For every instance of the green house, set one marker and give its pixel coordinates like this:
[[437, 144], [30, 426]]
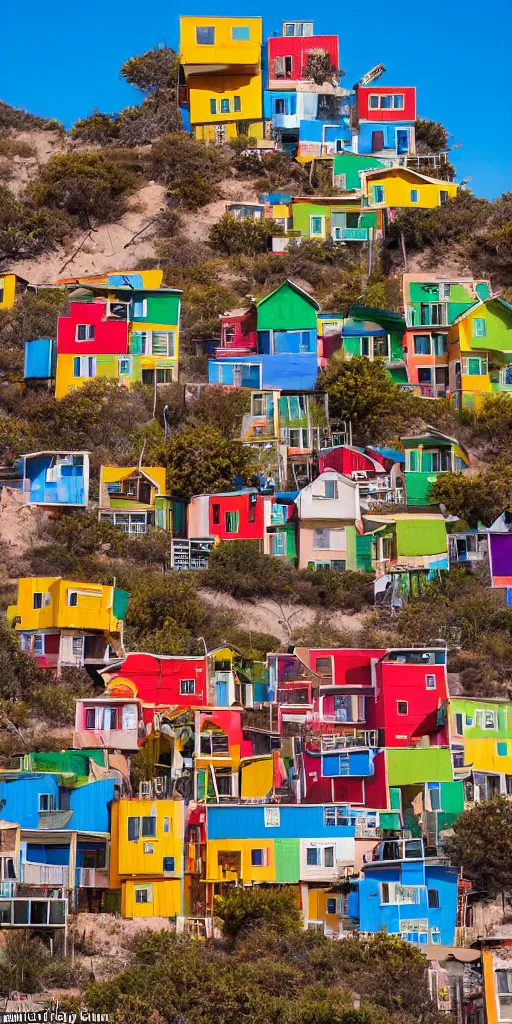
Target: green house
[[335, 219], [433, 302], [426, 456], [346, 167]]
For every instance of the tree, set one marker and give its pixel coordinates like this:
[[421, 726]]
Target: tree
[[482, 843], [99, 128], [320, 68], [200, 460], [176, 155], [431, 136], [241, 909], [239, 568], [222, 408], [479, 498], [151, 71], [362, 391]]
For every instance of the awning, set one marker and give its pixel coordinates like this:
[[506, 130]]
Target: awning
[[464, 956]]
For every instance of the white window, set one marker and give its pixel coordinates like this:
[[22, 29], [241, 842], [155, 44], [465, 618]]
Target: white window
[[486, 719], [331, 488], [444, 291], [77, 644], [187, 686], [84, 366], [430, 682], [140, 309], [84, 332], [395, 893], [143, 893], [47, 801], [163, 343], [272, 817], [149, 847], [504, 990]]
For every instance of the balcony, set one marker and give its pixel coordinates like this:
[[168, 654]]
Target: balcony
[[343, 741], [33, 873], [112, 739]]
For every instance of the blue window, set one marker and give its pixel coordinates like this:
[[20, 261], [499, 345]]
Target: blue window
[[378, 193], [312, 856], [205, 35], [224, 106], [398, 101], [168, 865], [421, 345], [213, 106], [330, 905], [258, 858], [502, 749], [415, 196], [373, 102], [240, 32], [237, 104], [479, 327]]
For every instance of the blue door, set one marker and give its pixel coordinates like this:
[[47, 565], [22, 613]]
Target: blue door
[[221, 695], [402, 140]]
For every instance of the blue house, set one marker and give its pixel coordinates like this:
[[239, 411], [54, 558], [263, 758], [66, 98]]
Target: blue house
[[40, 359], [408, 895], [392, 138], [56, 478], [37, 801], [286, 355]]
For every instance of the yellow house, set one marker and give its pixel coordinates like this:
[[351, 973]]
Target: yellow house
[[393, 187], [61, 622], [49, 601], [10, 286], [221, 87], [147, 843], [240, 860]]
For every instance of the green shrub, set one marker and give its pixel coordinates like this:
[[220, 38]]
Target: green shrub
[[248, 237], [178, 156], [238, 568], [86, 185]]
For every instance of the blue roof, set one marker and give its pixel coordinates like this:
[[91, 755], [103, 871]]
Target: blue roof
[[286, 496], [358, 328], [389, 453]]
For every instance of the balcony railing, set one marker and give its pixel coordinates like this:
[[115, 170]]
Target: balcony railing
[[351, 235], [33, 873]]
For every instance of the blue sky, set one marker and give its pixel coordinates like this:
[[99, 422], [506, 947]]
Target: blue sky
[[60, 60]]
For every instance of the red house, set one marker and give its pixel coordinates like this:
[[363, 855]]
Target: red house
[[410, 690], [160, 680], [89, 329], [386, 103], [348, 460], [238, 333], [233, 515], [288, 57]]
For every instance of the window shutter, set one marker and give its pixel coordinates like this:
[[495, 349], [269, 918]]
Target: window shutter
[[279, 67]]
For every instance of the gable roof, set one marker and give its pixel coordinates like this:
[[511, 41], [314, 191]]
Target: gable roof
[[296, 288], [482, 302], [400, 171]]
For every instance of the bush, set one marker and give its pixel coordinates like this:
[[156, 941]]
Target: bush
[[177, 156], [102, 129], [241, 909], [238, 568], [87, 185], [455, 222], [248, 237], [363, 392], [192, 192], [200, 461]]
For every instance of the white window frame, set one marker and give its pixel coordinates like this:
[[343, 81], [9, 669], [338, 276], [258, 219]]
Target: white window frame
[[89, 335], [147, 889], [402, 713], [398, 894], [185, 686], [481, 718], [264, 856], [430, 682], [124, 359], [144, 304], [50, 797]]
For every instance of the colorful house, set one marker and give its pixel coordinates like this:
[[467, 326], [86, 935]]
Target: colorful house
[[147, 861], [499, 537], [239, 335], [407, 543], [426, 456], [119, 329], [220, 82], [287, 345], [415, 898], [57, 479], [497, 975], [431, 305], [377, 481], [11, 285], [40, 359], [347, 167], [232, 515], [383, 120], [481, 742], [335, 219], [400, 187], [295, 425], [134, 499], [480, 352], [328, 510], [66, 623]]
